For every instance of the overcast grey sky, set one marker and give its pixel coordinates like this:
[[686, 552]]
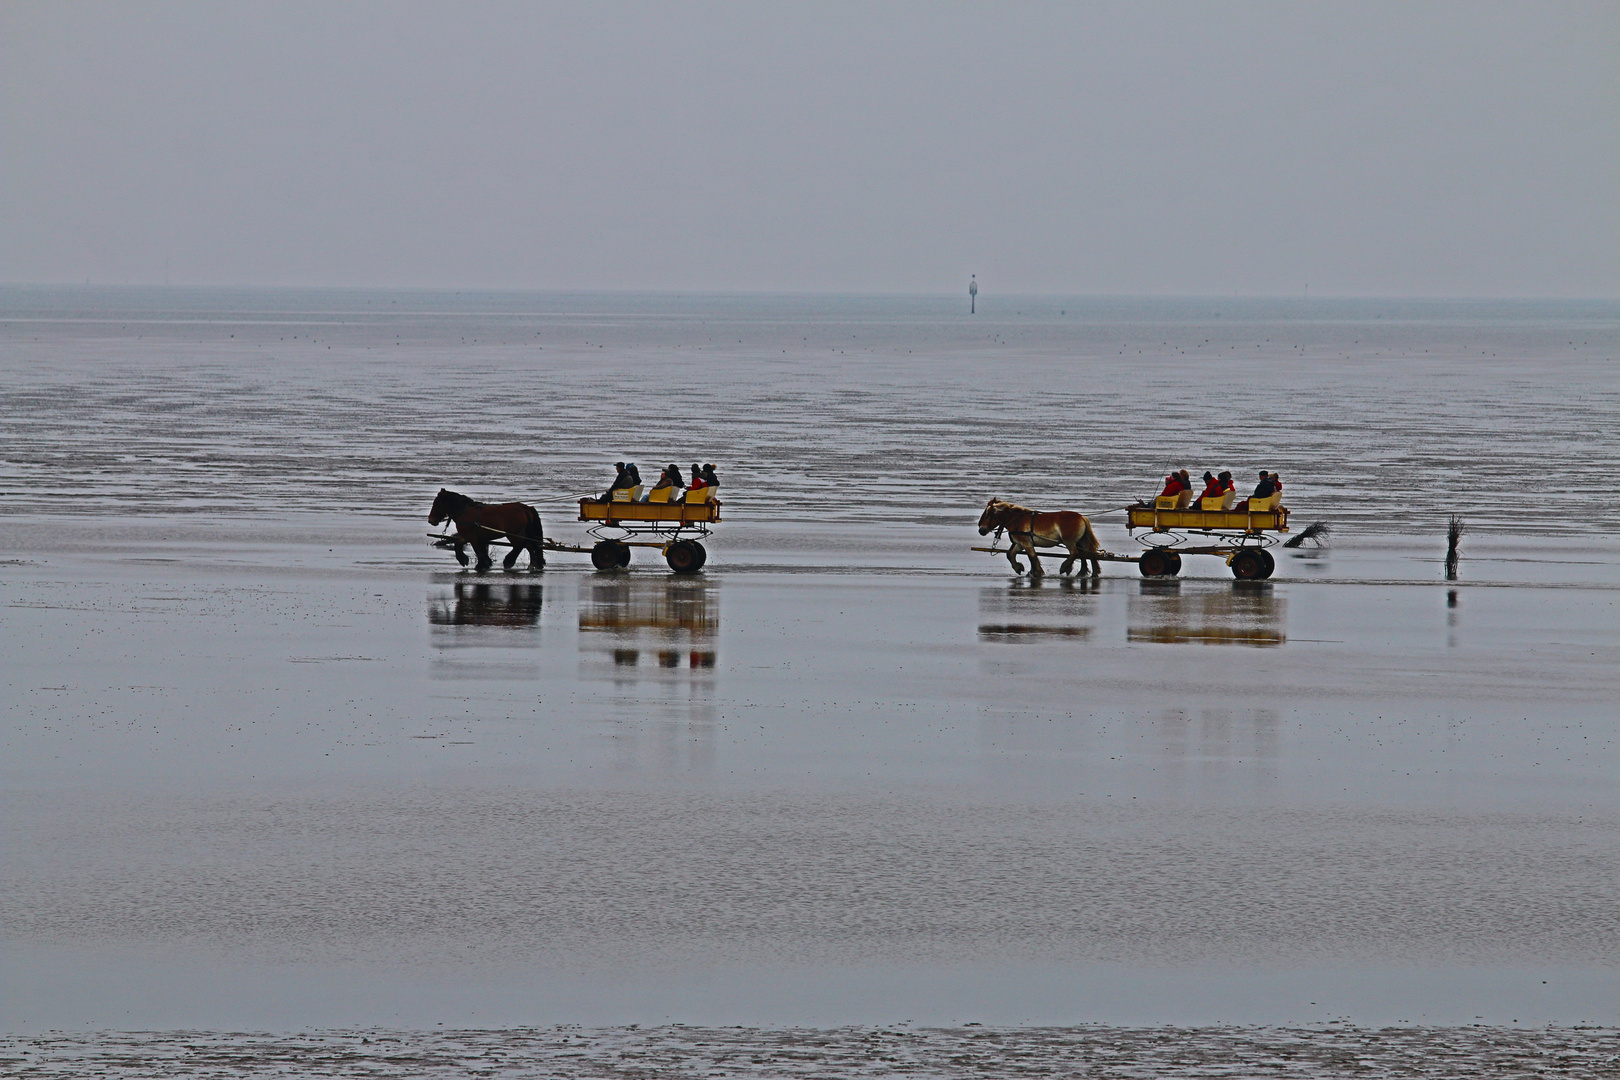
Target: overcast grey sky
[[1363, 148]]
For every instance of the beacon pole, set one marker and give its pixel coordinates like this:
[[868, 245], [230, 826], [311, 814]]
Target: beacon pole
[[973, 293]]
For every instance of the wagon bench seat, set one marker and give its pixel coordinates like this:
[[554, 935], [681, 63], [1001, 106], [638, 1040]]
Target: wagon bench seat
[[1148, 517], [685, 513]]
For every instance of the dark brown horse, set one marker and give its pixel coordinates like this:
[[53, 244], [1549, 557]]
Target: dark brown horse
[[1027, 529], [478, 523]]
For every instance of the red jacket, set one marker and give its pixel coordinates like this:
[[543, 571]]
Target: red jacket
[[1173, 485]]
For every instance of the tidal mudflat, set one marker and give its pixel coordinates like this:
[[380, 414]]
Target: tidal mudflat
[[271, 764]]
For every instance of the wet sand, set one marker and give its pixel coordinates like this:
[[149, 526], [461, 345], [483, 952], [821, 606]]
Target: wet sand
[[302, 784], [846, 1052]]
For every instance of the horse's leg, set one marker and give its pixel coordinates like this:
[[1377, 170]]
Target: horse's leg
[[461, 552], [1012, 557], [481, 549], [512, 556], [1068, 564], [1035, 568]]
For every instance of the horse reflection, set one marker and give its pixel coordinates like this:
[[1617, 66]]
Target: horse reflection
[[485, 604]]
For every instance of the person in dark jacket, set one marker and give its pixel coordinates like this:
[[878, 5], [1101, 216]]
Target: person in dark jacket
[[708, 476], [626, 477], [1265, 488]]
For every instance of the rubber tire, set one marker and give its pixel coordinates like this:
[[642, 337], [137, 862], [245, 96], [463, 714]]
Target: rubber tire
[[1172, 563], [609, 555], [1247, 565], [1268, 564], [702, 554], [683, 556], [1155, 562]]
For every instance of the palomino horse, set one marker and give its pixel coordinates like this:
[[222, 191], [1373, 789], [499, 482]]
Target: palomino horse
[[478, 523], [1028, 528]]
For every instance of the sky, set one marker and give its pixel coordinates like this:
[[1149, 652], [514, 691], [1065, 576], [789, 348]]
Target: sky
[[1359, 149]]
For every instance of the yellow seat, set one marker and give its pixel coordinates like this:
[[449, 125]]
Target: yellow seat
[[1166, 502], [1264, 504], [698, 496], [661, 494], [630, 494]]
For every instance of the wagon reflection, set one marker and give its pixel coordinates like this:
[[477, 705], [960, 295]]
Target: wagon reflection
[[661, 624], [1181, 613], [653, 641]]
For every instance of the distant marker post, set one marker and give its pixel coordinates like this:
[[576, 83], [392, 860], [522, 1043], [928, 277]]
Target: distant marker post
[[973, 293]]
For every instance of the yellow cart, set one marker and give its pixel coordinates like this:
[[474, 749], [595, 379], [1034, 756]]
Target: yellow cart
[[676, 528], [1240, 535]]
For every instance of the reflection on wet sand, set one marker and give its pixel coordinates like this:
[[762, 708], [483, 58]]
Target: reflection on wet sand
[[671, 623], [1217, 746], [1182, 613], [654, 641], [472, 616], [1033, 611], [481, 603]]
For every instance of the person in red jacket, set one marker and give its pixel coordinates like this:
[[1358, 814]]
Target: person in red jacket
[[1212, 490], [1176, 483]]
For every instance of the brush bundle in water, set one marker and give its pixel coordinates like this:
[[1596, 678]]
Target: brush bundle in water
[[1454, 533], [1316, 532]]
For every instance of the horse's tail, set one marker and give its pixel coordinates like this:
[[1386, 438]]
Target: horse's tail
[[1088, 538], [534, 535]]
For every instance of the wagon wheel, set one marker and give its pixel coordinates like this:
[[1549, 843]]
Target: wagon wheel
[[1155, 562], [1267, 563], [1172, 563], [609, 555], [686, 556], [1247, 565]]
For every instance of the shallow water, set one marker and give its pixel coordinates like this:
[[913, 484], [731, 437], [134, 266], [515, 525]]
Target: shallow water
[[271, 762]]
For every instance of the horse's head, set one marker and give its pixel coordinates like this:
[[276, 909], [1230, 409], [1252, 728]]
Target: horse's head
[[444, 504], [991, 518]]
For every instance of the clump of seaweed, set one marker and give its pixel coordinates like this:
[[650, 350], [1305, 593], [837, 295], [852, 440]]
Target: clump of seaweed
[[1316, 532], [1454, 533]]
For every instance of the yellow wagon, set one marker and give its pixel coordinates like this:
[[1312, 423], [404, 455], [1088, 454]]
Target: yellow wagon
[[676, 527], [1240, 533]]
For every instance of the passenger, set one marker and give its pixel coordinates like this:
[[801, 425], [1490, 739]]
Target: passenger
[[626, 478], [669, 486], [708, 476], [1264, 489], [1212, 490], [698, 484], [1176, 483]]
